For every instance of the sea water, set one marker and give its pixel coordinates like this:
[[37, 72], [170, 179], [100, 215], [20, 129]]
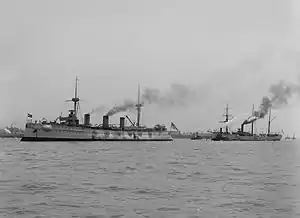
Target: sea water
[[183, 178]]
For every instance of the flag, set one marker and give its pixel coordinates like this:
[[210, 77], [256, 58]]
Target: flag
[[29, 115], [173, 126]]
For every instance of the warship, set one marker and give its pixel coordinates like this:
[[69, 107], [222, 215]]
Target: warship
[[241, 135], [70, 129]]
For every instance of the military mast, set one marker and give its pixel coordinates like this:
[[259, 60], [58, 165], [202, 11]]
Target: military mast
[[73, 113], [75, 99], [252, 124], [226, 117], [269, 122], [138, 107]]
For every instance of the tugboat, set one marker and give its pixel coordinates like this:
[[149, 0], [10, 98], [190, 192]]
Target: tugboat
[[69, 129]]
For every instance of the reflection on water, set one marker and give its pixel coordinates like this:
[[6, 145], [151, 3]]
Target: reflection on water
[[184, 178]]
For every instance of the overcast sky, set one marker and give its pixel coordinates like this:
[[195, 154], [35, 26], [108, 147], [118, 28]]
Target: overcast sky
[[228, 51]]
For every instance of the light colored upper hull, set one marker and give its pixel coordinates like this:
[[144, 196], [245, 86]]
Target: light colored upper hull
[[39, 132]]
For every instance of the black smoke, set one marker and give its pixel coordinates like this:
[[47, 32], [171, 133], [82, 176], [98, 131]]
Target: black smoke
[[99, 109], [280, 93], [178, 95], [127, 105]]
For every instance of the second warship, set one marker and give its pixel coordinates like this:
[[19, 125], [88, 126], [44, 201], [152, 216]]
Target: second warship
[[241, 135]]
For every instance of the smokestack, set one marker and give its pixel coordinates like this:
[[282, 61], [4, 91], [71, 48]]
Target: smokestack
[[87, 119], [242, 128], [105, 123], [221, 130], [252, 124], [122, 122], [269, 122]]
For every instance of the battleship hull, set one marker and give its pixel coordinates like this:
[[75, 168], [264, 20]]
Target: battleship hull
[[234, 137], [260, 138], [69, 129], [56, 132]]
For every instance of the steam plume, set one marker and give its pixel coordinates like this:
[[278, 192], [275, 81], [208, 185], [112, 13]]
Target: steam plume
[[280, 94], [177, 95], [128, 104], [250, 119], [98, 109]]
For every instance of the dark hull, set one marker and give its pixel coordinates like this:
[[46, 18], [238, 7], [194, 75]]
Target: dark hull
[[246, 138], [222, 139], [254, 140]]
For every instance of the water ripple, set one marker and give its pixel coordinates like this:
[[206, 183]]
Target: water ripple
[[121, 179]]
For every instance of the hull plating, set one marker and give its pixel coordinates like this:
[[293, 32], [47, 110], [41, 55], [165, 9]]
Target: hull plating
[[38, 132], [233, 137]]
